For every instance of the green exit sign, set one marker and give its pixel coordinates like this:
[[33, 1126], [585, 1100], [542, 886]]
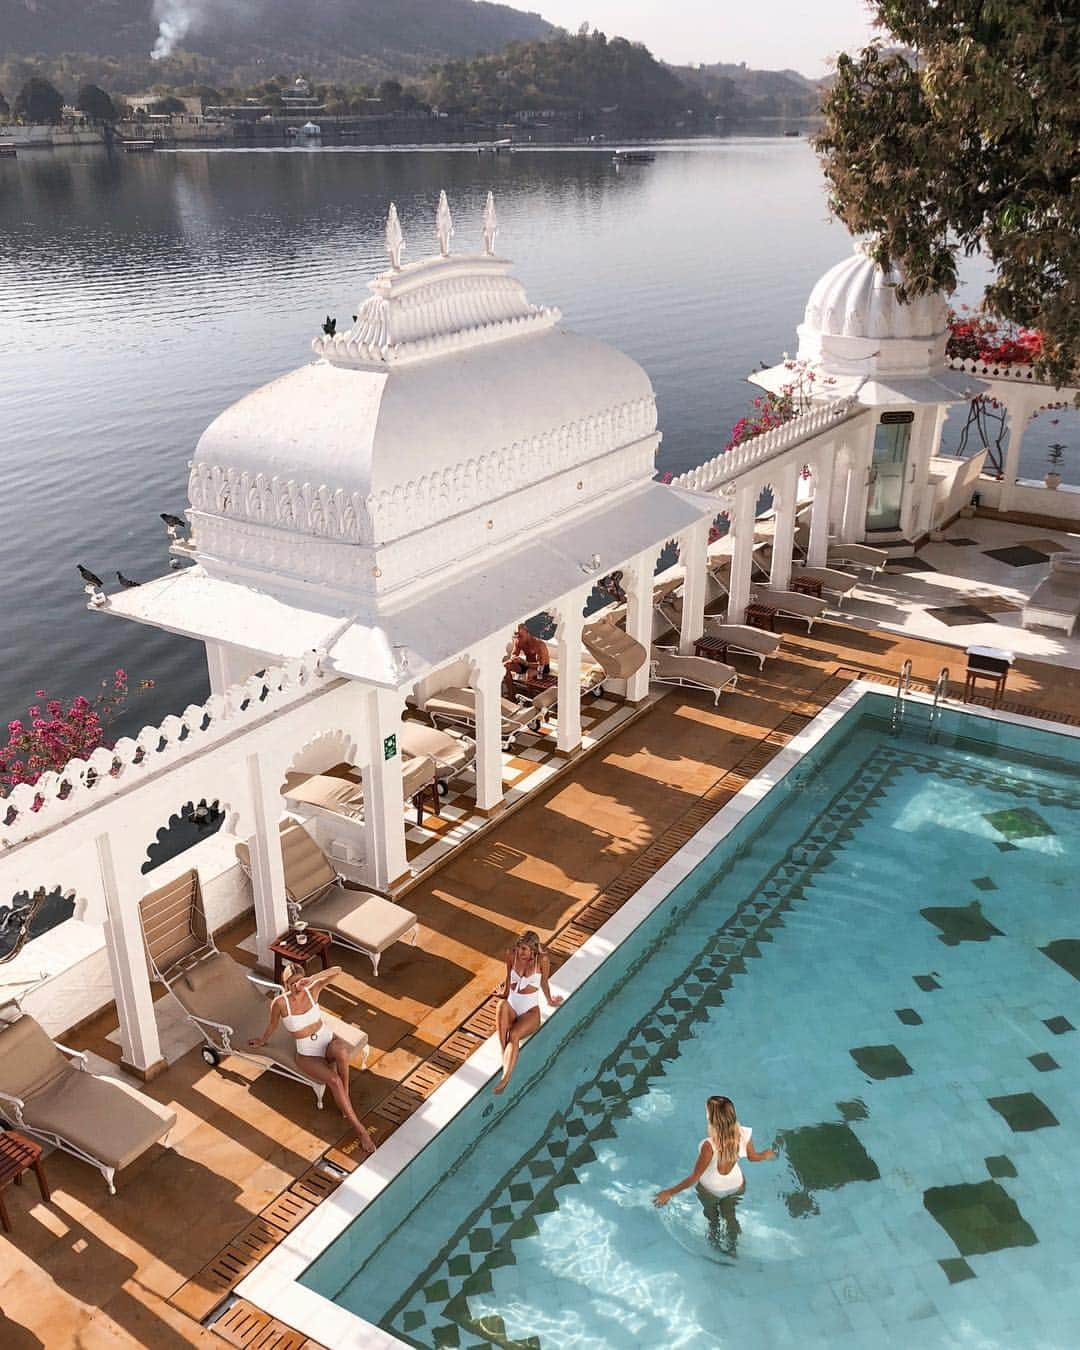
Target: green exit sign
[[389, 747]]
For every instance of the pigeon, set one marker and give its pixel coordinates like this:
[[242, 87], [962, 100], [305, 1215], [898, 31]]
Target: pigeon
[[126, 581], [173, 522], [89, 577]]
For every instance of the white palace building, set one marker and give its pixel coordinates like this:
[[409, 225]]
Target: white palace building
[[365, 533]]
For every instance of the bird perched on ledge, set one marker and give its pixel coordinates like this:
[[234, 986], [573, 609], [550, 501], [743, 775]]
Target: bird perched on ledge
[[94, 586], [126, 582], [174, 524]]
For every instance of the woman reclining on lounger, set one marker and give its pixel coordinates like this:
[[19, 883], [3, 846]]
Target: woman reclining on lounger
[[319, 1053]]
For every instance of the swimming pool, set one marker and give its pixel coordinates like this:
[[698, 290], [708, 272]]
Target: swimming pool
[[879, 965]]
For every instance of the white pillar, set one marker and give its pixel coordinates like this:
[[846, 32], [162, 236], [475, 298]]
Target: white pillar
[[1020, 408], [639, 618], [217, 667], [785, 492], [817, 549], [385, 862], [124, 885], [487, 680], [267, 866], [742, 553], [568, 644], [693, 554]]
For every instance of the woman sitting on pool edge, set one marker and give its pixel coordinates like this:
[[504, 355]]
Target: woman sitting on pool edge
[[527, 970], [717, 1172]]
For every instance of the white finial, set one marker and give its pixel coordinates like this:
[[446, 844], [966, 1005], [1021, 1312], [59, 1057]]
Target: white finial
[[395, 240], [491, 225], [444, 225]]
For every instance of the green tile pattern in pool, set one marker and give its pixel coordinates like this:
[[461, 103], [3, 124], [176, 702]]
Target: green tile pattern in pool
[[873, 1226]]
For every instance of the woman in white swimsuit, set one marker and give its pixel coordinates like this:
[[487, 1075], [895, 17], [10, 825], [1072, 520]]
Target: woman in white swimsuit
[[319, 1053], [527, 971], [717, 1172]]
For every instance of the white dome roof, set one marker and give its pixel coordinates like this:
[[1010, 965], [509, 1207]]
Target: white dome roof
[[451, 420], [856, 299]]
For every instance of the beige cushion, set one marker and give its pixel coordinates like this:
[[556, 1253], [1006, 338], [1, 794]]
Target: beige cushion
[[619, 654], [366, 920], [1066, 562], [307, 871], [697, 669], [744, 636], [29, 1062], [112, 1123]]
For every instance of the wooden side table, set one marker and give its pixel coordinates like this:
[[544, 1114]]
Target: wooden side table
[[712, 648], [806, 586], [761, 616], [287, 948], [17, 1155]]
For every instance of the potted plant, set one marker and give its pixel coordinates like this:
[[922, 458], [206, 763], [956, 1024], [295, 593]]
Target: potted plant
[[1056, 455]]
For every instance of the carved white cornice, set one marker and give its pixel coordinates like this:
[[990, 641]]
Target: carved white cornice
[[355, 518], [437, 307]]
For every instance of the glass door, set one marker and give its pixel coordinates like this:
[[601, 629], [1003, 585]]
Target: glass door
[[887, 471]]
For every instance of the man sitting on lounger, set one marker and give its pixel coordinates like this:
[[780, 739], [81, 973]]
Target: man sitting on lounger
[[529, 658]]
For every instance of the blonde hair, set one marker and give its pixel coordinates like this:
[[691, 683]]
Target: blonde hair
[[723, 1132], [290, 973]]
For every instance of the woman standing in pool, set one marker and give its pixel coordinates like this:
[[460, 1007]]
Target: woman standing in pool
[[717, 1172], [527, 971]]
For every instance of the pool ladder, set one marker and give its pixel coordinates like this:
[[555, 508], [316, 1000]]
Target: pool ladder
[[903, 688], [902, 683], [941, 689]]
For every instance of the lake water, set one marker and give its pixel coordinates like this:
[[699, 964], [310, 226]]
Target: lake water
[[140, 295]]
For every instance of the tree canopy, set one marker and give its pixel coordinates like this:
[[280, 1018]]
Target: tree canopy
[[39, 101], [968, 141], [93, 101]]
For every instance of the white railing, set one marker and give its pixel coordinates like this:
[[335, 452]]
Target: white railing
[[31, 809], [731, 463], [1018, 374]]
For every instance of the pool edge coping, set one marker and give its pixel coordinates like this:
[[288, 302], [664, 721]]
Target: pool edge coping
[[273, 1286]]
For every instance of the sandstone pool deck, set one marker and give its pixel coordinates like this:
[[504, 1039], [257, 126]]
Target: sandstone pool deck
[[143, 1267]]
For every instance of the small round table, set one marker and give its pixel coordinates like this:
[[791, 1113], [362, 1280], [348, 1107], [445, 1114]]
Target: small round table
[[712, 648], [288, 948], [17, 1155]]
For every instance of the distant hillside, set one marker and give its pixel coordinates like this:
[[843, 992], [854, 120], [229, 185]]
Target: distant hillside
[[738, 91], [238, 38]]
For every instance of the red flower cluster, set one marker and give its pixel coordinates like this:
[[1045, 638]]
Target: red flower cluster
[[52, 734], [974, 337]]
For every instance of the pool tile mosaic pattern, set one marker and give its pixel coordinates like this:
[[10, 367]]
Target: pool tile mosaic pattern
[[916, 1156]]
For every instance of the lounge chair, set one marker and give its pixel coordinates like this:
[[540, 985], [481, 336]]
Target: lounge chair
[[790, 604], [451, 752], [457, 707], [96, 1118], [740, 637], [838, 554], [340, 794], [618, 654], [1055, 602], [218, 995], [693, 672], [837, 583], [365, 921]]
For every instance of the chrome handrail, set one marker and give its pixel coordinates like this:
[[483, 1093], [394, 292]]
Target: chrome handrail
[[902, 683], [941, 688]]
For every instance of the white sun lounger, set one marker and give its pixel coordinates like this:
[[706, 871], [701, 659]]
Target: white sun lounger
[[457, 707], [693, 672], [1055, 602], [790, 604], [837, 583], [740, 637], [219, 995], [94, 1117], [451, 752]]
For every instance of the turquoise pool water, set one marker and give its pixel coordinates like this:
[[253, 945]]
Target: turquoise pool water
[[880, 967]]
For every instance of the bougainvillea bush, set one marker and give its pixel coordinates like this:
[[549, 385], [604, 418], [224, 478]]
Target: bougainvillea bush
[[54, 731], [980, 337]]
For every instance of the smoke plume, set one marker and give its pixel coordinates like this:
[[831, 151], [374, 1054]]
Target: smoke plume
[[175, 20]]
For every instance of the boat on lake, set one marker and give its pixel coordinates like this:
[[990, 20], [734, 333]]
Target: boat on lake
[[634, 156]]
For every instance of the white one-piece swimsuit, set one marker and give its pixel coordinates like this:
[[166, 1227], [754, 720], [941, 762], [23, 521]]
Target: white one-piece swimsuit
[[318, 1041], [522, 995], [724, 1183]]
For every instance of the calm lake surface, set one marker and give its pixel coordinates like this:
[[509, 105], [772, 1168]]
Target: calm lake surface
[[142, 294]]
